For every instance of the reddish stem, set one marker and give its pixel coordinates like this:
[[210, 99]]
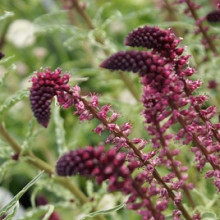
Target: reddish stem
[[201, 28], [137, 152], [174, 167]]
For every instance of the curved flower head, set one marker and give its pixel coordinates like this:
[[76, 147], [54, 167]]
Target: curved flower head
[[45, 86], [162, 41], [95, 162], [135, 61]]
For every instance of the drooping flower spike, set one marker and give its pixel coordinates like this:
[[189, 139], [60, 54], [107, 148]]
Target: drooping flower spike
[[213, 17], [45, 86], [154, 38]]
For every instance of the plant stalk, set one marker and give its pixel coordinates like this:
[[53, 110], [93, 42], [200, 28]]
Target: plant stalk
[[42, 165]]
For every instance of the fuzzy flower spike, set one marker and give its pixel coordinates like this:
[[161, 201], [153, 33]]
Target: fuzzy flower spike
[[45, 86]]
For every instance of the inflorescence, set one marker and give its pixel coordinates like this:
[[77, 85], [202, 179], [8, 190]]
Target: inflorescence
[[168, 99]]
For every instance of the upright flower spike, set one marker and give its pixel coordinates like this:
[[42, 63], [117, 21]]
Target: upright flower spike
[[45, 86], [154, 38]]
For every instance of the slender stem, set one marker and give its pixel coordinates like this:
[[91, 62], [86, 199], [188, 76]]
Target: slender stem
[[138, 153], [127, 81], [150, 205], [83, 14], [195, 138], [201, 28], [173, 17], [198, 110], [42, 165], [130, 85], [174, 167]]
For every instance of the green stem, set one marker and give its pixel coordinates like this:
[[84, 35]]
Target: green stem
[[42, 165], [127, 81]]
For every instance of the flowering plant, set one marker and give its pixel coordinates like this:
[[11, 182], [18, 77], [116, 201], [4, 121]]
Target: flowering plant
[[159, 162]]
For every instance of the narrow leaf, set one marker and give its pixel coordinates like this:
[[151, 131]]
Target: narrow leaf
[[60, 131], [6, 15], [103, 212], [20, 95], [19, 195]]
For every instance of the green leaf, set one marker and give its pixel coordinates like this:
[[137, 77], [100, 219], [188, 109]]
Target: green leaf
[[14, 201], [54, 22], [103, 212], [10, 69], [59, 130], [5, 167], [6, 15], [20, 95], [12, 214], [5, 60], [30, 136], [38, 212], [209, 216]]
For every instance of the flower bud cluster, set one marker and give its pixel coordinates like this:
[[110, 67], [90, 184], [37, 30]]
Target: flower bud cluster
[[213, 17], [145, 184], [45, 86], [153, 38]]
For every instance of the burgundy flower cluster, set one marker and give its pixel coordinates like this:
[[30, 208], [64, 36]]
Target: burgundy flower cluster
[[156, 39], [146, 184], [168, 100], [213, 17], [111, 166], [45, 86]]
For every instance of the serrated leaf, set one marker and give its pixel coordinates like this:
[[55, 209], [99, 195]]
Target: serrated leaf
[[59, 130], [89, 188], [5, 167], [3, 78], [115, 16], [98, 20], [20, 194], [209, 216], [6, 15], [74, 40], [20, 95], [30, 136], [104, 212], [5, 60], [53, 22], [5, 152]]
